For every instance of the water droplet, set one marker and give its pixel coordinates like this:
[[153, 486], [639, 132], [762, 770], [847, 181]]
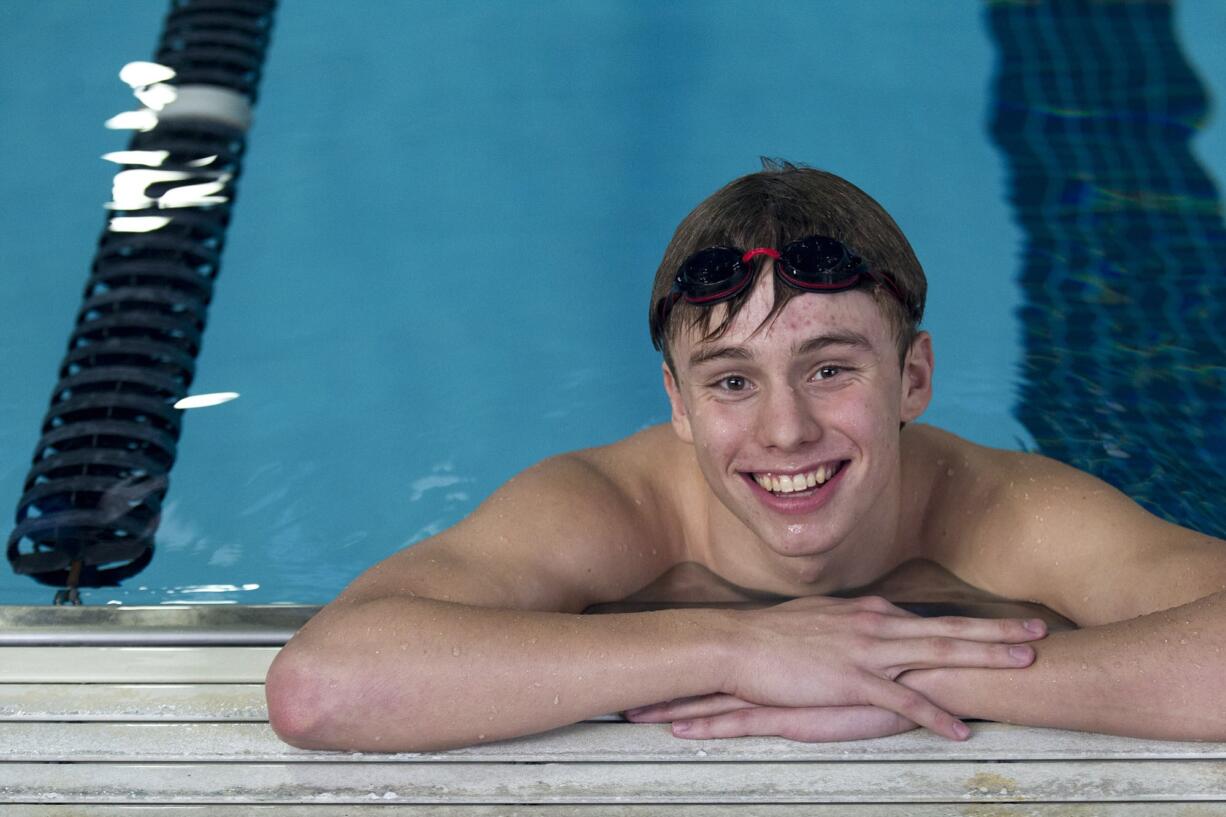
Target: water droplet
[[556, 699], [455, 650]]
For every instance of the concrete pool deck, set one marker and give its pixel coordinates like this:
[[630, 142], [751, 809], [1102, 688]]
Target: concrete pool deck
[[182, 730]]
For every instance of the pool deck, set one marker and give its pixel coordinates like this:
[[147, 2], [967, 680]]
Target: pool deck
[[182, 730]]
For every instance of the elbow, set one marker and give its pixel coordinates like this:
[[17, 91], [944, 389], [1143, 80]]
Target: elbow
[[297, 706]]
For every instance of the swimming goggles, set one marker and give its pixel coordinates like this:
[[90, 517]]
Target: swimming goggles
[[817, 263]]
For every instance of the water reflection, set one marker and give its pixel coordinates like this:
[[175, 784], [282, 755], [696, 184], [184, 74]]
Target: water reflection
[[148, 158], [1125, 253], [143, 120], [139, 73], [137, 224]]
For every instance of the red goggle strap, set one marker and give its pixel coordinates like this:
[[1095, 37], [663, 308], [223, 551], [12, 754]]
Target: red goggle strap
[[756, 251]]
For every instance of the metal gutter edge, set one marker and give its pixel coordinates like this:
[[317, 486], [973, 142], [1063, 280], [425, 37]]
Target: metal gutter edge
[[178, 625]]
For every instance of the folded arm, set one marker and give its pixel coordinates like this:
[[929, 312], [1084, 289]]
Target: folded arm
[[1156, 676], [1150, 597], [475, 634], [402, 674]]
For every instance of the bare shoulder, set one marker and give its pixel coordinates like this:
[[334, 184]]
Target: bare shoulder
[[1028, 527], [577, 529]]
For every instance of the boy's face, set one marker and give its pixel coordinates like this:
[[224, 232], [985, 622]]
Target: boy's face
[[812, 402]]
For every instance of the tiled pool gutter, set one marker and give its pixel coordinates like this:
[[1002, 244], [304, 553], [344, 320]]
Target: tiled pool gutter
[[160, 711]]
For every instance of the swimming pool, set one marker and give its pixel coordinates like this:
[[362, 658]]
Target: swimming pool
[[450, 213]]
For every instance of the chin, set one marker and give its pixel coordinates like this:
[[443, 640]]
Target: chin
[[807, 567], [801, 546]]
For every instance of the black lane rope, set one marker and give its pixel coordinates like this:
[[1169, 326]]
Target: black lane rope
[[93, 496]]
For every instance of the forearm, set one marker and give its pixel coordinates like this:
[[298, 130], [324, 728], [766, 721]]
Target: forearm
[[1156, 676], [413, 674]]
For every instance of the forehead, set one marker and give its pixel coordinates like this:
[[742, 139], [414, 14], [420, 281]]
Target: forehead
[[806, 316]]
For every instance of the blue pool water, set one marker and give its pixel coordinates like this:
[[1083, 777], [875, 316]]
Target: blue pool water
[[450, 214]]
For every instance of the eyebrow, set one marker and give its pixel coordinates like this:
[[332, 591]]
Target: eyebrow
[[846, 338]]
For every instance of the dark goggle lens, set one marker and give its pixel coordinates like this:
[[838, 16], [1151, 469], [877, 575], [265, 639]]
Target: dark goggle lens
[[710, 272], [822, 260]]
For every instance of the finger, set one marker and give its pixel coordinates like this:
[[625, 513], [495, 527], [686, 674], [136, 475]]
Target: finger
[[1003, 630], [927, 653], [810, 724], [880, 604], [696, 707], [762, 720], [916, 708]]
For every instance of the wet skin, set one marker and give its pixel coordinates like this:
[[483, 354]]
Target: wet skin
[[819, 384]]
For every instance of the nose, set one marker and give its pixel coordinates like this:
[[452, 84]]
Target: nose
[[785, 422]]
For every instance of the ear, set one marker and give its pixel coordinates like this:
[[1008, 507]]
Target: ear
[[917, 378], [681, 418]]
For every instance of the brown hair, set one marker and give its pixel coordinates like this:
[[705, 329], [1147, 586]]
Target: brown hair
[[781, 203]]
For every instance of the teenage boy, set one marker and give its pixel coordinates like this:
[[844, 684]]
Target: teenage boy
[[789, 494]]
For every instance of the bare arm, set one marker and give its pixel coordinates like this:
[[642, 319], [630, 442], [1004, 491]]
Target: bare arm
[[420, 674], [1155, 676], [437, 675], [475, 634], [1150, 596]]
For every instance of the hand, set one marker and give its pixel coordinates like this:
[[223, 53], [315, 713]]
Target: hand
[[826, 652], [726, 716]]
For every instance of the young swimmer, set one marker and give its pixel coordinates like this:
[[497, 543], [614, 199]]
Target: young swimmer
[[789, 502]]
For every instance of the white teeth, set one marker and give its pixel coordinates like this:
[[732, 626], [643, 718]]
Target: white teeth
[[791, 483]]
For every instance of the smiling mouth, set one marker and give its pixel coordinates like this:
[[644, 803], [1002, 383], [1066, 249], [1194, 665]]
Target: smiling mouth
[[799, 483]]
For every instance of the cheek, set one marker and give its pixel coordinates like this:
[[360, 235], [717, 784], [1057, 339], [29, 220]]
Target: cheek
[[718, 432], [868, 417]]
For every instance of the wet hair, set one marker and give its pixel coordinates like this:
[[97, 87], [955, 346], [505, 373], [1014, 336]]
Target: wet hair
[[778, 204]]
